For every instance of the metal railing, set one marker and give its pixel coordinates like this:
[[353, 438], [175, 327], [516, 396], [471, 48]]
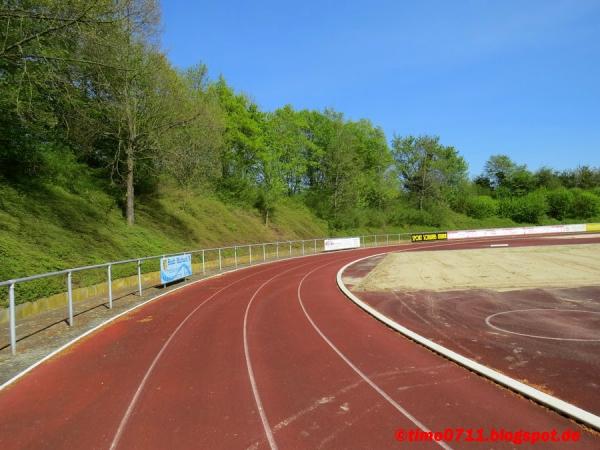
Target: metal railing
[[211, 260]]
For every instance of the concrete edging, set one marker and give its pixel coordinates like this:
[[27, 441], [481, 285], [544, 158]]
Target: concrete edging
[[550, 401]]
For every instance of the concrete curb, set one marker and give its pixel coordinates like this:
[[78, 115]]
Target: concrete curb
[[550, 401]]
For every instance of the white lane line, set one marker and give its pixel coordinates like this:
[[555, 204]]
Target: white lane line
[[488, 321], [134, 400], [380, 391], [498, 245], [259, 405]]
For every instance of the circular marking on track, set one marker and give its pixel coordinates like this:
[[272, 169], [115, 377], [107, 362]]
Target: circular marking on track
[[572, 325]]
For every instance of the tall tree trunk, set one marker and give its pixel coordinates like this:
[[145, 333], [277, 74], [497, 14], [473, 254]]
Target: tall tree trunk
[[130, 212]]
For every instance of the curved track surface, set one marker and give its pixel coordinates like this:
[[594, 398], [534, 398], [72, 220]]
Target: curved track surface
[[273, 356]]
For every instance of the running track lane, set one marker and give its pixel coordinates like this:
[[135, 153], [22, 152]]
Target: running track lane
[[326, 374]]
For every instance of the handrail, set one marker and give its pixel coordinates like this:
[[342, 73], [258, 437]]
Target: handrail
[[146, 258], [261, 257]]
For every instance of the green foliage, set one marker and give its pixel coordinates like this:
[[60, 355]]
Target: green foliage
[[530, 208], [547, 178], [560, 203], [481, 207], [429, 172], [584, 204], [520, 182], [498, 169]]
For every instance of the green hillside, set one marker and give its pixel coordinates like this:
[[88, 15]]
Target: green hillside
[[47, 226]]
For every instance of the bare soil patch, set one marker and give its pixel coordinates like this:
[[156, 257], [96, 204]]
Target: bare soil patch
[[499, 269]]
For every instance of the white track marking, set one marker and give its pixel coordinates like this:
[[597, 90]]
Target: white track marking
[[133, 402], [498, 245], [380, 391], [488, 321], [259, 405]]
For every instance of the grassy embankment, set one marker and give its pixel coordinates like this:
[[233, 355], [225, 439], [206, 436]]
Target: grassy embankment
[[46, 227], [54, 224]]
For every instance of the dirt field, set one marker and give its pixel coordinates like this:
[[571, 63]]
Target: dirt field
[[499, 269]]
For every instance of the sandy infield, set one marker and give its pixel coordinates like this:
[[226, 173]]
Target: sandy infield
[[500, 269]]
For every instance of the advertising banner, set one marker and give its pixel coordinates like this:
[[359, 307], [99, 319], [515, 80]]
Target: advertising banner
[[592, 227], [426, 237], [341, 244], [175, 268], [520, 231]]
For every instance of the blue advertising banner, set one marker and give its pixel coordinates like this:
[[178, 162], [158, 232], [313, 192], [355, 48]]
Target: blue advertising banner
[[175, 268]]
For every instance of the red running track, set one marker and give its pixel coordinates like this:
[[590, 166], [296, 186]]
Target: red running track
[[272, 356]]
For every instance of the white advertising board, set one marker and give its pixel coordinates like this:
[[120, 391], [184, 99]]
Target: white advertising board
[[341, 243], [520, 231]]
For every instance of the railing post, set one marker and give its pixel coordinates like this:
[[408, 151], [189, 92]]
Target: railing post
[[70, 297], [139, 269], [387, 239], [12, 318], [109, 273], [235, 255], [203, 266], [250, 253], [277, 250], [264, 252], [220, 265], [290, 249], [302, 248], [398, 238], [375, 240]]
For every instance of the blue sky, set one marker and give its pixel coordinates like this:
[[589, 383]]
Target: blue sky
[[488, 77]]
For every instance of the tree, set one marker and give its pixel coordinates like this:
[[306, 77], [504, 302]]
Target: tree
[[498, 169], [192, 154], [376, 181], [520, 182], [46, 50], [286, 136], [428, 171], [334, 171], [547, 178], [145, 107], [243, 139]]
